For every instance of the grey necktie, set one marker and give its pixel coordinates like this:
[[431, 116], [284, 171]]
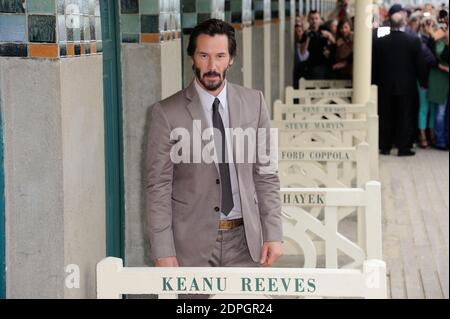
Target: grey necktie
[[227, 194]]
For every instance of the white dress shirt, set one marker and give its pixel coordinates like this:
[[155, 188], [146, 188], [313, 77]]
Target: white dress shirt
[[207, 101]]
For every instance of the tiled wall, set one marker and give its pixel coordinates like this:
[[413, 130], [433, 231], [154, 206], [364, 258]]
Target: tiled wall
[[149, 21], [248, 14], [263, 10], [197, 11], [274, 11], [50, 28], [237, 12], [287, 8], [218, 9]]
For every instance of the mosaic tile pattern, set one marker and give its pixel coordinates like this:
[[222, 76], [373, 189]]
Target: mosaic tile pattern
[[12, 6], [274, 9], [219, 9], [239, 13], [259, 9], [50, 28], [149, 21], [247, 12], [197, 11], [267, 10]]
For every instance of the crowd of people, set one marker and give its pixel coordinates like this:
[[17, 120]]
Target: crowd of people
[[410, 68], [323, 50]]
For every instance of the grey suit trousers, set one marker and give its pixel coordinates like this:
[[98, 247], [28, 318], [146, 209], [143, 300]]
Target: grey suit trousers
[[230, 250]]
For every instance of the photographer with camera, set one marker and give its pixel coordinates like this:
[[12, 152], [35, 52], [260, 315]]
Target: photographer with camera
[[316, 42]]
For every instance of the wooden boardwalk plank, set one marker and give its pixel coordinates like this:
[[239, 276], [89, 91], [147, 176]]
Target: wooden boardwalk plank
[[391, 246], [424, 259], [435, 221], [416, 224], [413, 281]]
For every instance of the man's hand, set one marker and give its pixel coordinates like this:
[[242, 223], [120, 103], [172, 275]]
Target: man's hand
[[329, 36], [443, 68], [304, 46], [166, 262], [271, 251], [340, 65]]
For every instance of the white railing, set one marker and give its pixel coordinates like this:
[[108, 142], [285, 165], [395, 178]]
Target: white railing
[[327, 96], [305, 84], [311, 218], [324, 166], [365, 277], [114, 280], [284, 111], [334, 96], [331, 133]]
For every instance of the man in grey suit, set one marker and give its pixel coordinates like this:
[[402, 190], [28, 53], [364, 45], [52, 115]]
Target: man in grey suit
[[220, 213]]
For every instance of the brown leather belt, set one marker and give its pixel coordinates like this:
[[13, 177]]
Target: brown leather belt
[[230, 224]]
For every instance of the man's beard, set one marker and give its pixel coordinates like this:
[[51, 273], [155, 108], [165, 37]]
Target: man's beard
[[211, 86]]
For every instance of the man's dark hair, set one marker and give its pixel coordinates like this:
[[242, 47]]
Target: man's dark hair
[[313, 12], [212, 27]]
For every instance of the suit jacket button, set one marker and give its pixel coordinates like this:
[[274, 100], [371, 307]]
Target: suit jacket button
[[217, 181], [216, 209]]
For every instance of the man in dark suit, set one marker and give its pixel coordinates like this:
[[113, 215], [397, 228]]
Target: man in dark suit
[[398, 64], [314, 44]]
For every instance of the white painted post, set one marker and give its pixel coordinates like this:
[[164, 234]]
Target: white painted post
[[363, 164], [281, 47], [372, 108], [363, 176], [267, 66], [374, 96], [373, 218], [331, 226], [372, 139], [107, 269], [362, 52], [375, 279], [247, 56]]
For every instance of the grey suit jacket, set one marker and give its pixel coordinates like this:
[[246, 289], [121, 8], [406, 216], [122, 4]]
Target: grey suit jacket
[[182, 199]]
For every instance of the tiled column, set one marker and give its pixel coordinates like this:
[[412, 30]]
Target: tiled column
[[52, 107], [240, 16], [275, 46], [247, 54], [262, 49], [290, 9], [151, 71], [50, 28], [258, 55]]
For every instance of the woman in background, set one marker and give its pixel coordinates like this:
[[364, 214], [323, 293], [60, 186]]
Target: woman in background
[[344, 50], [426, 110], [299, 58], [438, 86]]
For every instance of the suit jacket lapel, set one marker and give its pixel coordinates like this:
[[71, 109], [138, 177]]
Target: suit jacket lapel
[[195, 109], [234, 109]]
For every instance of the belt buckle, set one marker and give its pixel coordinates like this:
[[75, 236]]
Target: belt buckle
[[229, 224], [225, 225]]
